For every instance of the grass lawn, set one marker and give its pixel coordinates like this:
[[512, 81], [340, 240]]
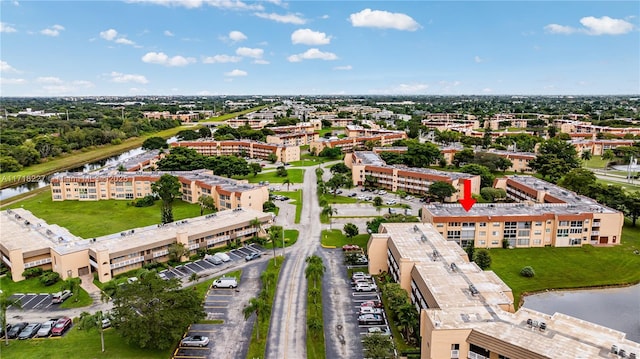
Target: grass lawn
[[628, 187], [33, 285], [296, 199], [304, 163], [595, 162], [233, 114], [315, 338], [290, 238], [79, 344], [562, 268], [335, 238], [98, 218], [295, 175], [331, 199]]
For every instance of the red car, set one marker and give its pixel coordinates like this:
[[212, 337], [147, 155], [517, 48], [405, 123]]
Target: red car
[[61, 326], [371, 304], [350, 247]]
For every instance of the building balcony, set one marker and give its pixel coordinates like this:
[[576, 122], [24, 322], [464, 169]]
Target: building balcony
[[127, 262], [37, 263]]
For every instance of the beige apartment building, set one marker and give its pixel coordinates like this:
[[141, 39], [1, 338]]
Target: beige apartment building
[[308, 127], [466, 312], [182, 117], [27, 241], [368, 165], [597, 147], [105, 185], [251, 149], [354, 143], [547, 215], [582, 127], [293, 138]]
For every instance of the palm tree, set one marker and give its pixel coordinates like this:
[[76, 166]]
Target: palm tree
[[315, 325], [5, 302], [329, 212], [257, 225], [267, 277], [274, 235], [257, 305], [206, 202], [287, 182], [407, 319], [73, 285], [89, 321], [586, 155], [315, 269], [608, 155]]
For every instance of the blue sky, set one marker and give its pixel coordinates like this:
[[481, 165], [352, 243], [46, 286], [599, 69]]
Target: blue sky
[[233, 47]]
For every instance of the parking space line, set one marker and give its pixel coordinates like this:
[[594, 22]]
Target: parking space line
[[218, 301], [27, 302], [45, 298]]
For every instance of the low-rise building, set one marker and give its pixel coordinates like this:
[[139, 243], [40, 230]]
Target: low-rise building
[[293, 138], [105, 185], [582, 127], [547, 215], [245, 148], [368, 166], [27, 241], [182, 117], [597, 147], [351, 144]]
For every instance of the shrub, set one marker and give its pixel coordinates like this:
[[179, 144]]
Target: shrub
[[268, 206], [505, 243], [49, 278], [351, 230], [32, 273], [146, 201], [527, 272], [482, 258]]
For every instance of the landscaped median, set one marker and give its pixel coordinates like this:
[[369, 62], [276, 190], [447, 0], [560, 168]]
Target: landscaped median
[[315, 328], [334, 238]]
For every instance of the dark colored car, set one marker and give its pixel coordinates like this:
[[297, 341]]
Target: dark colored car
[[4, 331], [61, 326], [29, 331], [16, 329]]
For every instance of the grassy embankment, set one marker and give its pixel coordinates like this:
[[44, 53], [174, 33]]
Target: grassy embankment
[[294, 176]]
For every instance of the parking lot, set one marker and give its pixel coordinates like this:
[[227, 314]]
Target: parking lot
[[35, 301]]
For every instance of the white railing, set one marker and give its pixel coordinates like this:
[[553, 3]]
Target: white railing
[[595, 233], [6, 260], [473, 355], [161, 253], [37, 263], [127, 262], [455, 354], [93, 263], [194, 246]]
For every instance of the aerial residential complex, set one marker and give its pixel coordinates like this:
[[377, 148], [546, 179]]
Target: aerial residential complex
[[366, 165], [252, 149], [110, 184], [49, 246], [350, 144], [466, 312], [547, 215]]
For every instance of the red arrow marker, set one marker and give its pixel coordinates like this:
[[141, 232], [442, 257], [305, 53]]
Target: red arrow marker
[[467, 201]]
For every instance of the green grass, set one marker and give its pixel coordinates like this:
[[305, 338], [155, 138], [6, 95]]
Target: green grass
[[258, 345], [211, 321], [233, 114], [82, 300], [33, 285], [97, 218], [331, 199], [290, 238], [595, 162], [304, 163], [315, 340], [322, 132], [564, 268], [295, 175], [336, 238], [628, 187], [296, 199], [79, 344]]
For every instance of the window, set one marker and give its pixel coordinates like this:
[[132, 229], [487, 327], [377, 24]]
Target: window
[[483, 233], [538, 224], [563, 232], [496, 224], [537, 233], [563, 223], [523, 241], [482, 224], [454, 224], [482, 243], [453, 235]]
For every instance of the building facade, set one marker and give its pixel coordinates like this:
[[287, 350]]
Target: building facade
[[351, 144], [251, 149]]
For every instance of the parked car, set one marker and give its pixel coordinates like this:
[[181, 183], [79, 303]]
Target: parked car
[[29, 331], [45, 329], [360, 275], [213, 259], [368, 319], [61, 296], [372, 303], [360, 280], [61, 326], [370, 310], [352, 194], [378, 330], [16, 329], [195, 341], [391, 202], [365, 287], [225, 282], [106, 323], [351, 247], [223, 257], [3, 331], [253, 256], [360, 260]]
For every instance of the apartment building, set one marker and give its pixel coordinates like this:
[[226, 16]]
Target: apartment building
[[245, 148], [369, 166], [182, 117], [145, 160], [308, 127], [293, 138], [597, 147], [373, 130], [547, 215], [254, 123], [520, 160], [466, 312], [27, 241], [351, 144], [582, 127], [462, 126], [105, 185]]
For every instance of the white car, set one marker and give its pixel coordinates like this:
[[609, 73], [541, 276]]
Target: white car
[[45, 329], [195, 341], [223, 257], [225, 282], [391, 202], [378, 330], [365, 287], [370, 310], [360, 275]]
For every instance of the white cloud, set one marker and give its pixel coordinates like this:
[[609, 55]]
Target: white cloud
[[487, 90], [5, 67], [168, 33], [192, 4], [255, 53], [324, 17], [124, 41], [309, 37], [594, 26], [125, 78], [49, 80], [4, 27], [403, 89], [478, 59], [261, 62], [312, 54], [161, 58], [5, 81], [221, 59], [236, 73], [82, 83], [52, 31], [109, 35], [287, 19], [384, 20], [237, 36], [343, 68], [605, 26]]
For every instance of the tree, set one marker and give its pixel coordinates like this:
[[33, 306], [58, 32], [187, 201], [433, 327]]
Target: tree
[[463, 157], [335, 182], [187, 135], [329, 212], [491, 194], [73, 285], [281, 171], [377, 201], [486, 177], [632, 206], [377, 346], [177, 251], [272, 157], [339, 167], [315, 269], [259, 306], [441, 190], [407, 319], [267, 277], [255, 168], [555, 158], [154, 143], [350, 230], [608, 155], [332, 153], [287, 181], [482, 258], [275, 233], [206, 202], [585, 155], [168, 189], [579, 180], [204, 132], [5, 302], [89, 321], [153, 312]]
